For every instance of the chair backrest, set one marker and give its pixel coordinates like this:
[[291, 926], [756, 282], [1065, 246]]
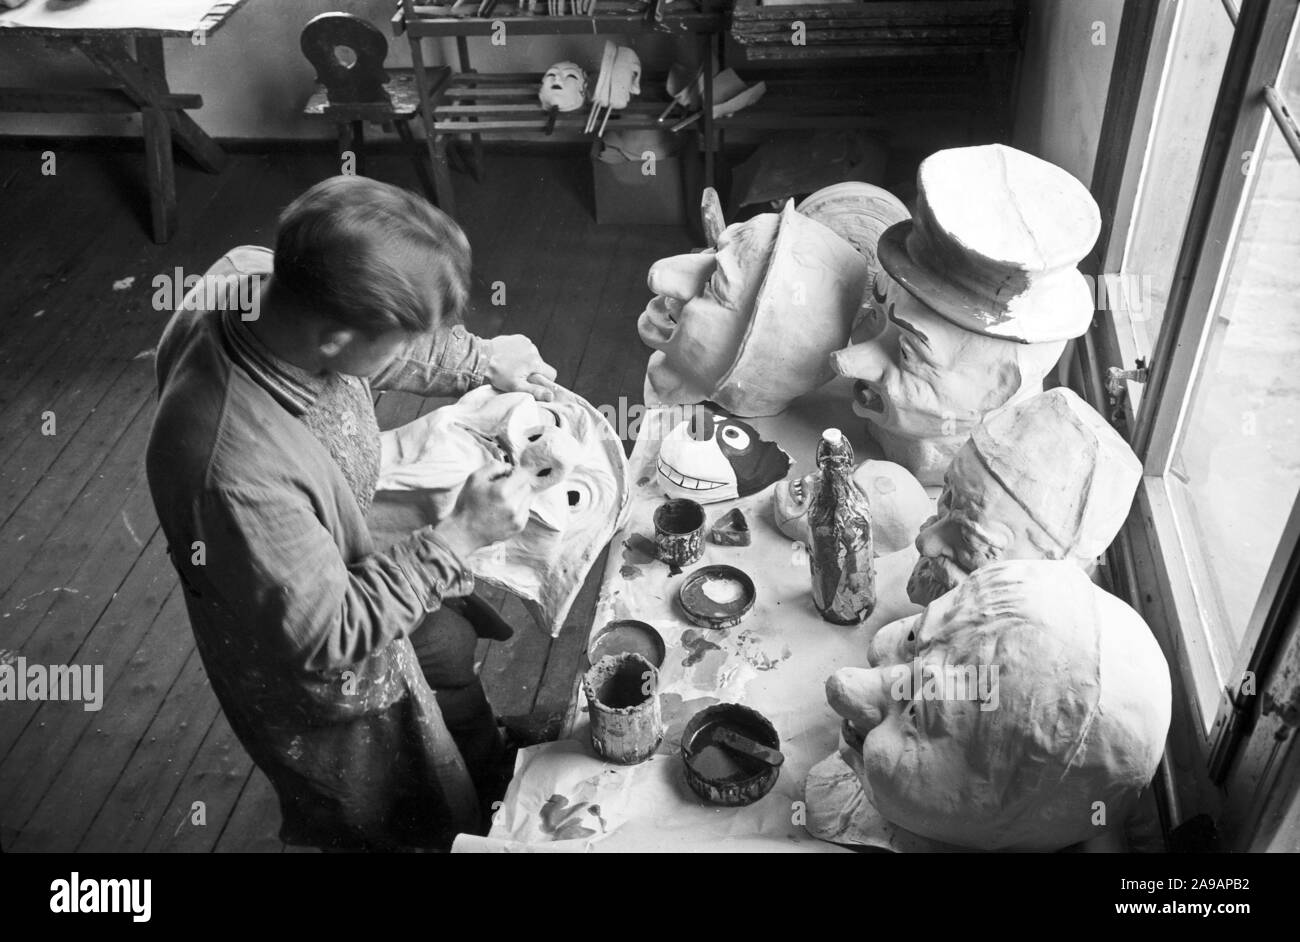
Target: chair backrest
[[348, 54]]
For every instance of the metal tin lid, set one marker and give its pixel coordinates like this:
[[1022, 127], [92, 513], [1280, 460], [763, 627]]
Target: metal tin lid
[[717, 596]]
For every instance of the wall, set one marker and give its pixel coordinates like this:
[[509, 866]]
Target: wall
[[254, 79], [1069, 49]]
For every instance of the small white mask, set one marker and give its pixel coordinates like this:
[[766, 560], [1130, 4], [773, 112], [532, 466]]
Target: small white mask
[[564, 87]]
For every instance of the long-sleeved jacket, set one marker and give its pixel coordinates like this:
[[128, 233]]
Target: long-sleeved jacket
[[300, 623]]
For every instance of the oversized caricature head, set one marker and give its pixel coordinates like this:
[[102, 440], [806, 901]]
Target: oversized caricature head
[[923, 383], [1044, 479], [576, 466], [710, 457], [625, 77], [999, 717], [751, 324], [564, 86], [976, 297]]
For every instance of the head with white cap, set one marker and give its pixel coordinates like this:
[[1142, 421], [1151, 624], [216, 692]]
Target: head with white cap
[[974, 302], [1044, 479], [750, 323]]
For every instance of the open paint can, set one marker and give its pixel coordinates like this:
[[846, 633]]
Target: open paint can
[[679, 532], [622, 692], [717, 772]]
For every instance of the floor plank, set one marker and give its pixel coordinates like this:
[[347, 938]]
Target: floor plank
[[109, 738], [140, 797]]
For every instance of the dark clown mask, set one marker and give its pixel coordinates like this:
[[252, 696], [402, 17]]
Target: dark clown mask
[[712, 457]]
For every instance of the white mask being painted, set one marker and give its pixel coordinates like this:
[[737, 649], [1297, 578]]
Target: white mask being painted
[[579, 478]]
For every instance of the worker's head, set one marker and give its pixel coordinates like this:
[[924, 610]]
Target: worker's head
[[362, 268]]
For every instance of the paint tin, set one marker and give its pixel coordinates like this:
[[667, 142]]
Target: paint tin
[[622, 693], [715, 773], [679, 532], [717, 596]]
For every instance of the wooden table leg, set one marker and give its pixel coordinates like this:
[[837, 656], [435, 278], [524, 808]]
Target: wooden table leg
[[421, 168], [202, 149], [346, 145], [476, 140], [161, 173], [437, 147], [359, 146], [144, 79]]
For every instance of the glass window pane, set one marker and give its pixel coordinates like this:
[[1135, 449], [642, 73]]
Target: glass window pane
[[1289, 81], [1237, 466], [1202, 35]]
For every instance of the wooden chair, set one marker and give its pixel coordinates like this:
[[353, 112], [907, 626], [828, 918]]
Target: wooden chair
[[354, 87]]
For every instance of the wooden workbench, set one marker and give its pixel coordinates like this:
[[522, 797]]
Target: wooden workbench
[[124, 39], [775, 661]]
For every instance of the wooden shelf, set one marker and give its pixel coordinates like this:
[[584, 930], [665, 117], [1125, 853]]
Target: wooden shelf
[[673, 24]]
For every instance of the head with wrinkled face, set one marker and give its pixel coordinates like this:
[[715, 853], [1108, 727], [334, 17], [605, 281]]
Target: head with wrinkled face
[[998, 717], [976, 522], [564, 86], [751, 323], [625, 78], [923, 383], [1046, 478]]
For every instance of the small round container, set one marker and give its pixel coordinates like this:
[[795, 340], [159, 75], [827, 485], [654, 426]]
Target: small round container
[[679, 532], [714, 772], [629, 636], [717, 596], [622, 693]]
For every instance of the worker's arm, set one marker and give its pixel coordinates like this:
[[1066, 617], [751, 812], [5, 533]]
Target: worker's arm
[[443, 362], [450, 362], [271, 559]]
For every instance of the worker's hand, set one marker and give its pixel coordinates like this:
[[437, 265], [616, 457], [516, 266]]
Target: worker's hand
[[514, 365], [492, 506]]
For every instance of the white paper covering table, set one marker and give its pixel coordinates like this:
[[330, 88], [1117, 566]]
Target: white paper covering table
[[775, 661]]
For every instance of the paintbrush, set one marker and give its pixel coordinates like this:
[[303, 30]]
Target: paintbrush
[[743, 745]]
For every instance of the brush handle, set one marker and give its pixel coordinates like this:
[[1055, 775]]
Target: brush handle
[[736, 742]]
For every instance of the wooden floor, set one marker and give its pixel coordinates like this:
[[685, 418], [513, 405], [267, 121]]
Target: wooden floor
[[84, 578]]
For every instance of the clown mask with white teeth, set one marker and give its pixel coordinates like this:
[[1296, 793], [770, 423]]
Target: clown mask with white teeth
[[713, 457]]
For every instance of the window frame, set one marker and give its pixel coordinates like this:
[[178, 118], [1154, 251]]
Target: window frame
[[1150, 565]]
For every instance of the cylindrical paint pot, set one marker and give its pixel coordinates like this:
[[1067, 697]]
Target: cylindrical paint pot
[[679, 532], [622, 693]]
